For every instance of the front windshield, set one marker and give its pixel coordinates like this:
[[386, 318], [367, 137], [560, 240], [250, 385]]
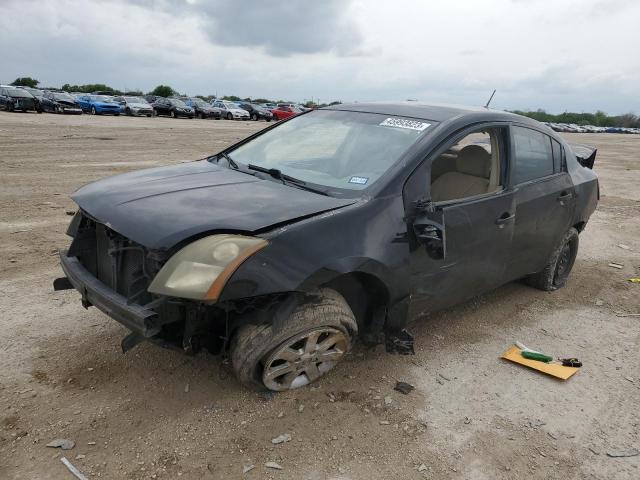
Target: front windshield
[[18, 92], [34, 91], [134, 100], [199, 102], [230, 105], [346, 150], [101, 98], [64, 96], [177, 103]]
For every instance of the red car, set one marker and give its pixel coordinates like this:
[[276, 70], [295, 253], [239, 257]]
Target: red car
[[284, 111]]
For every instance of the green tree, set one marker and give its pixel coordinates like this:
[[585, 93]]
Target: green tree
[[163, 91], [232, 98], [25, 82]]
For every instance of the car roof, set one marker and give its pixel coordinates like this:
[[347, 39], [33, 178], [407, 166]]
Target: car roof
[[426, 111]]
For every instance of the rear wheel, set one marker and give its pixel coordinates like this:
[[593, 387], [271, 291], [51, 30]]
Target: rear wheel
[[313, 341], [229, 116], [173, 114], [556, 272], [94, 111], [254, 117], [128, 112]]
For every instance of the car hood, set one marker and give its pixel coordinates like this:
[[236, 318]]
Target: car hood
[[160, 207], [238, 110]]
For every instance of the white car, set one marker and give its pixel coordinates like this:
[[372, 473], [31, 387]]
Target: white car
[[230, 110]]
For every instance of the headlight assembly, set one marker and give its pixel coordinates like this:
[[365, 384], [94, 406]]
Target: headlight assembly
[[200, 270]]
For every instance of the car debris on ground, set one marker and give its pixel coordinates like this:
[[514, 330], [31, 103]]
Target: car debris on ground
[[63, 443], [284, 438], [404, 387], [77, 473]]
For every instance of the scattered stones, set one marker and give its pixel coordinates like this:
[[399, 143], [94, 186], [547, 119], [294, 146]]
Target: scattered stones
[[301, 408], [422, 467], [599, 303], [63, 443], [536, 423], [332, 397], [280, 414], [80, 456], [273, 465], [388, 400], [186, 388], [385, 422], [284, 438], [467, 420], [624, 247]]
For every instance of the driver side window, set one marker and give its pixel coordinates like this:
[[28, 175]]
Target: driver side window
[[469, 167]]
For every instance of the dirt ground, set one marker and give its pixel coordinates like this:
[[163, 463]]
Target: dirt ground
[[154, 413]]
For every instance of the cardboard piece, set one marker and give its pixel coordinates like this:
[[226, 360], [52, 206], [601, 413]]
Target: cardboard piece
[[553, 369]]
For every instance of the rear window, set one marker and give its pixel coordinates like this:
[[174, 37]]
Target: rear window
[[533, 157]]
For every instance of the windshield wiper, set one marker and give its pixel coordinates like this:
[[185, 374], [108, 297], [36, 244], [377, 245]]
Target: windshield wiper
[[277, 174], [231, 162]]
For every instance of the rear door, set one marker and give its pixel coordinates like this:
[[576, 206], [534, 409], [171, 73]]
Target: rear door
[[544, 196]]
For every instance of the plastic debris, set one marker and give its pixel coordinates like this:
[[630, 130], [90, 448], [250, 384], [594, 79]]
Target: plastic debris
[[77, 473], [63, 443], [635, 280], [616, 265], [631, 452], [273, 465], [624, 247], [284, 438], [404, 387], [248, 468]]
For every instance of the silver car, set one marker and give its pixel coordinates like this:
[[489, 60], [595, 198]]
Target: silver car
[[134, 106], [230, 110]]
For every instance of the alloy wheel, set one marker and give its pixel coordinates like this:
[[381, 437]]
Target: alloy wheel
[[304, 358]]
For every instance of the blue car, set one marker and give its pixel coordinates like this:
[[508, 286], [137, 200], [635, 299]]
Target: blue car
[[99, 104]]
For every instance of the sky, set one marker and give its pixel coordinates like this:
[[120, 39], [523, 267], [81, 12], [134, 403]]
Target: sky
[[558, 55]]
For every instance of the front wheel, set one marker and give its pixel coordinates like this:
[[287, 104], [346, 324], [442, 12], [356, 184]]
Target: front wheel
[[555, 273], [173, 114], [315, 338], [254, 117], [94, 111], [229, 116]]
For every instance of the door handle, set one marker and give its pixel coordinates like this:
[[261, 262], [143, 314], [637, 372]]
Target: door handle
[[504, 218], [564, 196]]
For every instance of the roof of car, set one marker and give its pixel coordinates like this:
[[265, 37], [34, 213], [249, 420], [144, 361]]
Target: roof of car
[[426, 111]]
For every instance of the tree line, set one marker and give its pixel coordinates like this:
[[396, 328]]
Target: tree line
[[598, 119]]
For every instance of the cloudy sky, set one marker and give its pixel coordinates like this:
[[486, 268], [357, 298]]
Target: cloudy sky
[[576, 55]]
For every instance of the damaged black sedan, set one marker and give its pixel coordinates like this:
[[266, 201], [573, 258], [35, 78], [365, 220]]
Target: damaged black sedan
[[337, 224]]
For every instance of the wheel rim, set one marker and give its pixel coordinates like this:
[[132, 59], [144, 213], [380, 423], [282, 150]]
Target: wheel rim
[[304, 358], [564, 263], [93, 110]]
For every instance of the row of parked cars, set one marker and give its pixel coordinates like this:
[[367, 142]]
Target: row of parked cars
[[27, 98], [573, 128]]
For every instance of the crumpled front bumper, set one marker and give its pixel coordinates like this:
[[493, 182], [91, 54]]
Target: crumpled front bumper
[[140, 320]]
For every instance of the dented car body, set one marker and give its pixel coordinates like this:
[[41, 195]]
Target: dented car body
[[335, 224]]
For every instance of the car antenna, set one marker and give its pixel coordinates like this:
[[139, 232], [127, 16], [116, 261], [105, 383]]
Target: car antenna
[[490, 98]]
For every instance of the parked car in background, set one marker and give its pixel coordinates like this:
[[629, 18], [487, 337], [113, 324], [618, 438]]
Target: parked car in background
[[99, 104], [59, 102], [284, 111], [134, 105], [13, 99], [172, 107], [256, 112], [230, 110], [201, 108], [237, 253], [37, 93]]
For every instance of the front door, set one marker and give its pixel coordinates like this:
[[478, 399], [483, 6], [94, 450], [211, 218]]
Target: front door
[[460, 238]]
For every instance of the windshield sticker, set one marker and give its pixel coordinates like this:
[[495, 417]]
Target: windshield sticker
[[404, 123], [359, 180]]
